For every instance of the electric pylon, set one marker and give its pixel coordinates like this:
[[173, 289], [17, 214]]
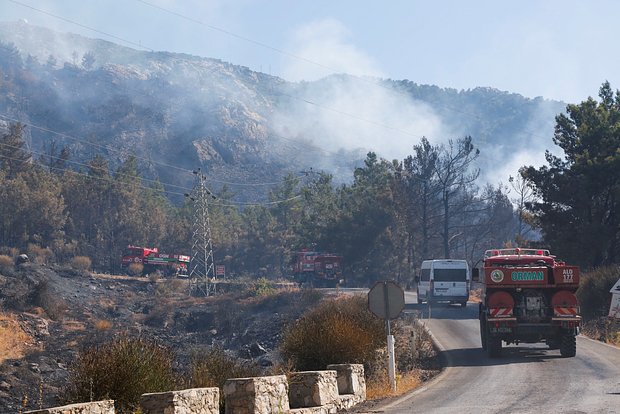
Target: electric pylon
[[202, 268]]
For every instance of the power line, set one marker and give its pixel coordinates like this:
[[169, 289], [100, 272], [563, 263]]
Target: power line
[[92, 167], [148, 161], [357, 78], [109, 178], [364, 80], [82, 25]]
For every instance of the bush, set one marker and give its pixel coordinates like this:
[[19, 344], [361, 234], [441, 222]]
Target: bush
[[5, 262], [135, 269], [593, 293], [337, 331], [38, 254], [103, 325], [262, 287], [121, 370], [211, 368], [46, 298], [81, 263]]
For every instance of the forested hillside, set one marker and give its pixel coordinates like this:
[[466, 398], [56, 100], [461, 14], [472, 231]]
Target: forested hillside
[[97, 153]]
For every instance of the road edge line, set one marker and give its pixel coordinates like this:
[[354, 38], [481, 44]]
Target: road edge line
[[443, 355], [598, 342]]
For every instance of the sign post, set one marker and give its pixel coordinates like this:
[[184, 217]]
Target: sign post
[[614, 308], [386, 300]]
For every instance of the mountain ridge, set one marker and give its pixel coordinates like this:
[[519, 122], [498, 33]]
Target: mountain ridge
[[241, 125]]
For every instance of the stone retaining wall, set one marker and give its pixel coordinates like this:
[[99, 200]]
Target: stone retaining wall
[[95, 407], [311, 392], [256, 395], [191, 401]]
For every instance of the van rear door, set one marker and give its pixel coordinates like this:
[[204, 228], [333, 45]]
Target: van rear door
[[450, 280]]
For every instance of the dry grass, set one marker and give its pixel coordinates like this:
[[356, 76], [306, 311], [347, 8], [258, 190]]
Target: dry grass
[[603, 329], [380, 387], [103, 325], [135, 269], [73, 326], [13, 340], [5, 261], [81, 263]]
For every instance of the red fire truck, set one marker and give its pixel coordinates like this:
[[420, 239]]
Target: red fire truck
[[152, 260], [317, 269], [528, 296]]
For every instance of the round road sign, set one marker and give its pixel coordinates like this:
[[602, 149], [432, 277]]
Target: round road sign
[[386, 300]]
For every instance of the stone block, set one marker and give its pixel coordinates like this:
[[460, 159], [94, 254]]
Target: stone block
[[312, 388], [259, 395], [351, 379], [94, 407], [190, 401]]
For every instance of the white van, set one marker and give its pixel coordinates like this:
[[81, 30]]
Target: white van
[[444, 280]]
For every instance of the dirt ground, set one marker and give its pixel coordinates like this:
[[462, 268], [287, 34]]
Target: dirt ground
[[47, 314]]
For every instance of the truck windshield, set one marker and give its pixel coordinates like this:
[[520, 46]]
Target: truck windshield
[[450, 275]]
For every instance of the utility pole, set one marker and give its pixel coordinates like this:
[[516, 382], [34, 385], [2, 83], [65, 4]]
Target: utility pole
[[202, 268]]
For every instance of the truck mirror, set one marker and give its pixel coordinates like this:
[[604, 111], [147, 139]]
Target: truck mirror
[[475, 274]]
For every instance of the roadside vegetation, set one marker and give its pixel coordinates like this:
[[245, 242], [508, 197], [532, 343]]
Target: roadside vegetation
[[595, 299], [334, 330]]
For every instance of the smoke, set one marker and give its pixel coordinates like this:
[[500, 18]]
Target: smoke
[[326, 42], [354, 112], [523, 149]]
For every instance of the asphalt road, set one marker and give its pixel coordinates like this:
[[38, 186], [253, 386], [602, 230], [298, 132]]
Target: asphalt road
[[528, 378]]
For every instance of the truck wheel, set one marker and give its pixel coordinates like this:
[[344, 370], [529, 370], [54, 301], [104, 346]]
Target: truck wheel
[[568, 346], [483, 336], [494, 346]]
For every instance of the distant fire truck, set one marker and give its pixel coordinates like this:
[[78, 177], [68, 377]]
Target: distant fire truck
[[152, 260], [318, 269], [529, 296]]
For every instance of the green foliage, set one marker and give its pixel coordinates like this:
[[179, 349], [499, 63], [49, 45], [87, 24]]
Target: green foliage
[[594, 287], [122, 370], [579, 194], [263, 287], [213, 366], [336, 331]]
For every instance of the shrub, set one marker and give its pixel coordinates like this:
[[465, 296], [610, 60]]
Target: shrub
[[336, 331], [593, 293], [45, 297], [5, 262], [262, 287], [121, 370], [135, 269], [81, 263], [103, 325], [211, 368], [63, 252], [38, 254]]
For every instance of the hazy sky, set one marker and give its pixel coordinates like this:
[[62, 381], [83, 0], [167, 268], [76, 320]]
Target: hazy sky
[[562, 49]]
